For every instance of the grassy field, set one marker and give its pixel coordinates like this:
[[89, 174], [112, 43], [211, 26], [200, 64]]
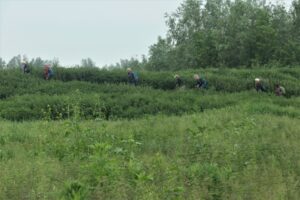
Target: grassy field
[[82, 140]]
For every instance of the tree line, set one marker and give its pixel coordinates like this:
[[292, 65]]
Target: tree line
[[15, 62], [224, 33], [219, 33]]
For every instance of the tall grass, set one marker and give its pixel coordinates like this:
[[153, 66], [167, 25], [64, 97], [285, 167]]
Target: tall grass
[[229, 153], [88, 135]]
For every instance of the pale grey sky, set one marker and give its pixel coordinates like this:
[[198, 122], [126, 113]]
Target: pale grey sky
[[104, 30]]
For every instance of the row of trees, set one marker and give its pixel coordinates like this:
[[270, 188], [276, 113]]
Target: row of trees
[[217, 33], [228, 33], [225, 33], [15, 62]]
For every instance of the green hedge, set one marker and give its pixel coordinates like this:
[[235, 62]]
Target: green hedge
[[113, 103], [122, 101], [227, 80]]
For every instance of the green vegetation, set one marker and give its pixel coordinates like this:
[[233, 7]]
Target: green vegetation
[[226, 80], [29, 97], [80, 137], [216, 33], [237, 152], [221, 33], [87, 134]]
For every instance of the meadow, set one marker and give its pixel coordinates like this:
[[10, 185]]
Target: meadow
[[86, 134]]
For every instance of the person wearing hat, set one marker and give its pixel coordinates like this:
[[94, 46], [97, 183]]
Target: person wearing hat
[[178, 80], [132, 77], [259, 85]]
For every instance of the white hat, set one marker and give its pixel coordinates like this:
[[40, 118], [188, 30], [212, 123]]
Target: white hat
[[257, 80]]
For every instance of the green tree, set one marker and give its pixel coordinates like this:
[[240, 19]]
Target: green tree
[[55, 62], [184, 22], [15, 62], [159, 55], [2, 63], [281, 23], [133, 63], [228, 33], [37, 62], [263, 37], [296, 28], [88, 62], [129, 63]]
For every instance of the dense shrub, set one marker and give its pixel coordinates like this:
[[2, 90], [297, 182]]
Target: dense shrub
[[117, 101], [227, 80], [90, 92], [111, 105]]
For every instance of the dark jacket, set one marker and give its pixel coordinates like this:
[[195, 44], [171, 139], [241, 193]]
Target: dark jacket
[[131, 78], [201, 83], [179, 82], [260, 87], [26, 68]]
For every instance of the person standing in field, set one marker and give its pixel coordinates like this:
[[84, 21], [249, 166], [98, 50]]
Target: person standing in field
[[25, 67], [200, 82], [279, 90], [179, 82], [48, 72], [132, 77], [259, 86]]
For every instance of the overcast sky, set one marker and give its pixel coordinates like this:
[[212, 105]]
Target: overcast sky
[[104, 30]]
